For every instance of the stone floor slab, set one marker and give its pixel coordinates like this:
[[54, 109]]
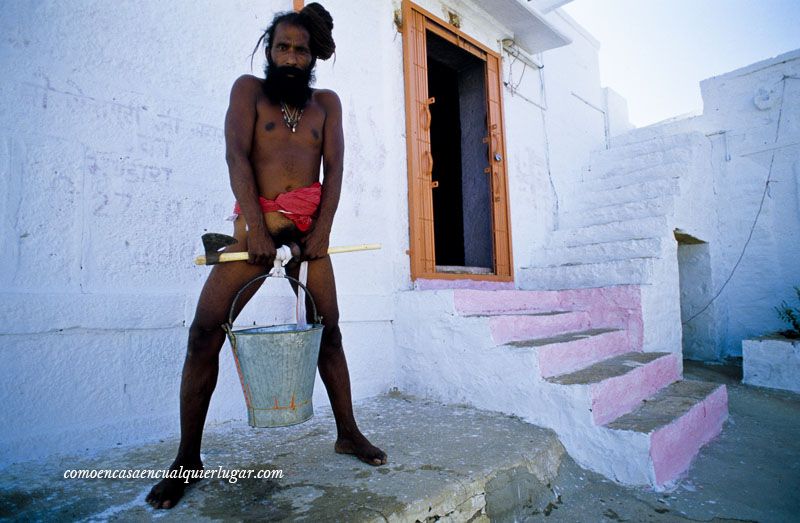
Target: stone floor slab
[[445, 461]]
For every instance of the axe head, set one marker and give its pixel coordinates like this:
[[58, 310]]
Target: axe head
[[213, 243]]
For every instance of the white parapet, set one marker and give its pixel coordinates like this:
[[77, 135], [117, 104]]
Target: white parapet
[[772, 361]]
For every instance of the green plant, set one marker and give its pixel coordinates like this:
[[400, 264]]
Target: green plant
[[790, 315]]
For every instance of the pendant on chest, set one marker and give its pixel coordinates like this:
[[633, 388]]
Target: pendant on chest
[[291, 116]]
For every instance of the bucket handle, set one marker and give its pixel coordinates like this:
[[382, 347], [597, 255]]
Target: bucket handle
[[229, 326]]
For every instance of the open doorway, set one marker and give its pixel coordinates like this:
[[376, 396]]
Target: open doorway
[[462, 208], [455, 142], [698, 338]]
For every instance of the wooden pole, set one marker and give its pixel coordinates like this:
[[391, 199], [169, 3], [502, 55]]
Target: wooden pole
[[242, 256]]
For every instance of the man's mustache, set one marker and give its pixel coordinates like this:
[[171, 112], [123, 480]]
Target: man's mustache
[[288, 70]]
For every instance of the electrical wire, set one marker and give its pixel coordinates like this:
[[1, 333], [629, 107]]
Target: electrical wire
[[744, 249], [758, 213]]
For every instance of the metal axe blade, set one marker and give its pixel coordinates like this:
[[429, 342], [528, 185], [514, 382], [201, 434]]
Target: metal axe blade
[[213, 243]]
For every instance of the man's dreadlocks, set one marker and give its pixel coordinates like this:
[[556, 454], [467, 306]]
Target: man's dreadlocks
[[313, 18]]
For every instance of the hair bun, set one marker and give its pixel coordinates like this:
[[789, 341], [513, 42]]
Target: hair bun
[[316, 10], [320, 25]]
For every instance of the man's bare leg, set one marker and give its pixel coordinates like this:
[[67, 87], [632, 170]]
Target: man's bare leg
[[333, 365], [201, 366]]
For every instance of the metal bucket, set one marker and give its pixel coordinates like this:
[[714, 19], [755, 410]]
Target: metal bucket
[[277, 366]]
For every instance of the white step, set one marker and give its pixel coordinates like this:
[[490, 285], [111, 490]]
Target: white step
[[608, 168], [505, 328], [600, 252], [674, 128], [620, 306], [677, 422], [646, 148], [572, 351], [592, 182], [652, 226], [476, 302], [616, 213], [636, 271], [583, 199], [618, 385]]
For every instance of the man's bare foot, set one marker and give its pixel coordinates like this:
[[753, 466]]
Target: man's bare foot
[[361, 448], [167, 492]]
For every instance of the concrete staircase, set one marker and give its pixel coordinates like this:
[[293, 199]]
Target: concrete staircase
[[590, 345], [569, 360], [615, 224]]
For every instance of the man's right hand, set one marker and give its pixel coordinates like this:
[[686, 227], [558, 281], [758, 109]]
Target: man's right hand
[[261, 249]]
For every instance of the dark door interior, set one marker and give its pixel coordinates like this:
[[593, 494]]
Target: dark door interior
[[462, 212]]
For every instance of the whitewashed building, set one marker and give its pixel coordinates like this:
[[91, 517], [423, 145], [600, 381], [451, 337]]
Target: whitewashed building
[[539, 255]]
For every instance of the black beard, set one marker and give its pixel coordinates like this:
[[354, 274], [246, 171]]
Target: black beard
[[291, 90]]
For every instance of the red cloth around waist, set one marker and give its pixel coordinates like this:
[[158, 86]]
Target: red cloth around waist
[[299, 205]]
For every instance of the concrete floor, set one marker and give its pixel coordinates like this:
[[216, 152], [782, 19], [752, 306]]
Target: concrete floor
[[446, 462]]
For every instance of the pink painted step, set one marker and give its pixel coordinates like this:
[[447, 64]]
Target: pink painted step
[[572, 351], [616, 307], [472, 301], [619, 384], [679, 420], [516, 327]]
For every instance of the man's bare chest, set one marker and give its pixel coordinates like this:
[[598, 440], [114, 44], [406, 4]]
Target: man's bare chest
[[278, 128]]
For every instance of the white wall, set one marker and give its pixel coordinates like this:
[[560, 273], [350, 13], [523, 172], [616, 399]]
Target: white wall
[[576, 118], [113, 166], [751, 121], [555, 116], [758, 107]]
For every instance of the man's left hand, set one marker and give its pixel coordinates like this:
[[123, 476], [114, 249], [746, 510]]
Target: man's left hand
[[315, 244]]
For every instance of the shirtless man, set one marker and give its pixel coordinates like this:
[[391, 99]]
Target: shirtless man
[[277, 131]]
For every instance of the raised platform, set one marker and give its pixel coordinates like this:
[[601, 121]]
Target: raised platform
[[445, 462]]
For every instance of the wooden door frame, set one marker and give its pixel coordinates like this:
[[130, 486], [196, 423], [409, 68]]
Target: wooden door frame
[[415, 22]]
